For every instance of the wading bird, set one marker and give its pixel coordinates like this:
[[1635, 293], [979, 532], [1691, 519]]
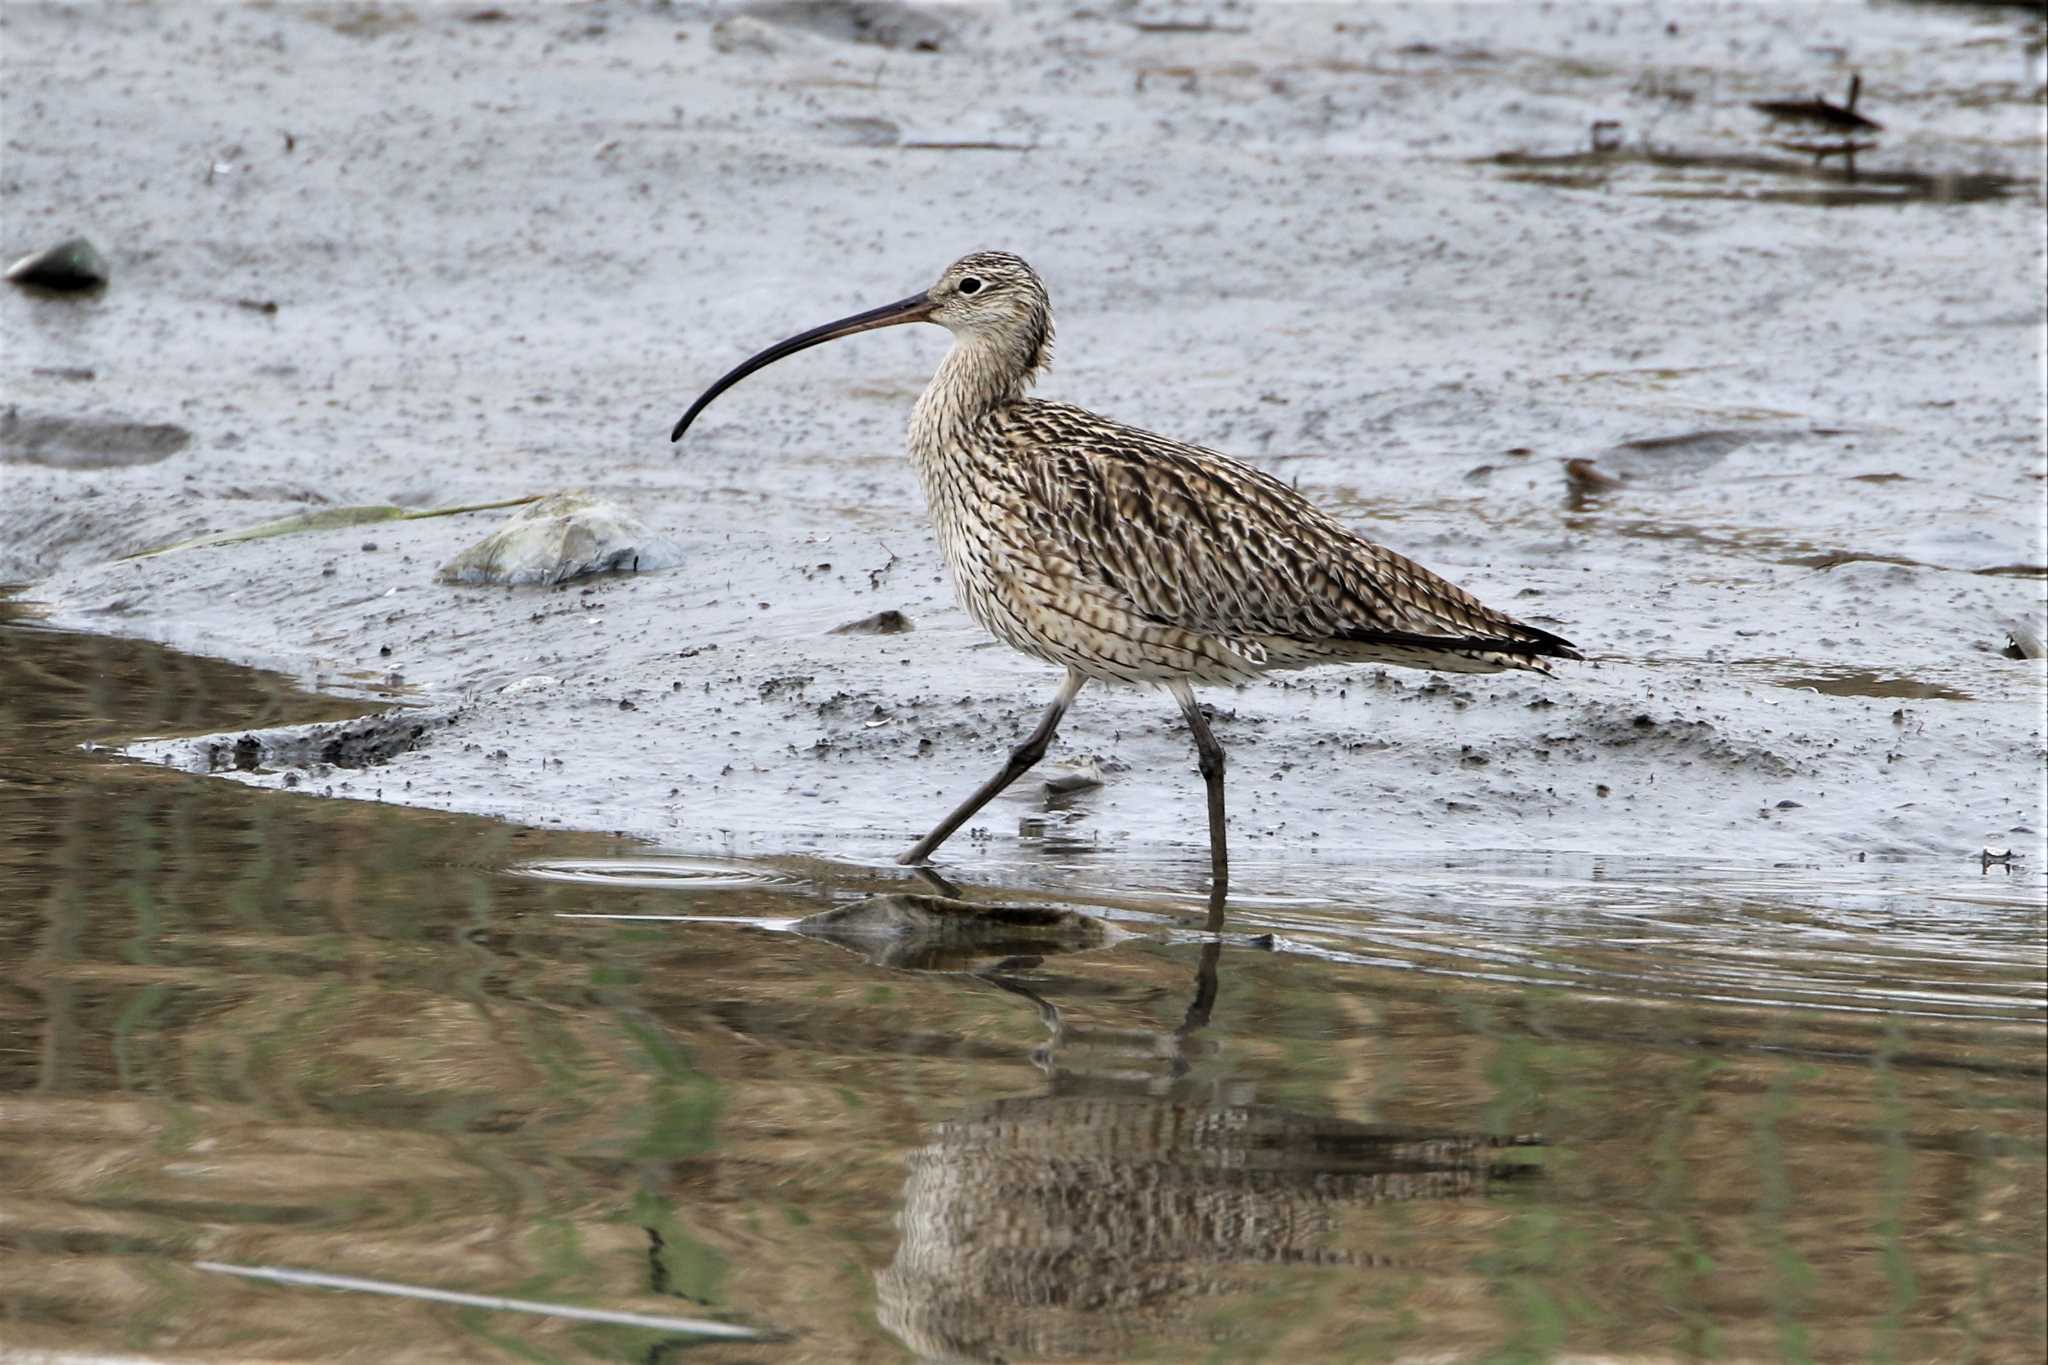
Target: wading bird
[[1126, 557]]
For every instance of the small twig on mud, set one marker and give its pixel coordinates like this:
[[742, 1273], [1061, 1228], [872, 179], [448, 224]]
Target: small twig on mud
[[983, 146], [1186, 26], [875, 576]]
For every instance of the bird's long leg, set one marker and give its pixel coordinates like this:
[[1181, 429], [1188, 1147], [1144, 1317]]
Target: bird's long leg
[[1021, 760], [1212, 774]]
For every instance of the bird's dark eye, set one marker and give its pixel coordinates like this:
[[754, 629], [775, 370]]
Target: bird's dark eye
[[970, 285]]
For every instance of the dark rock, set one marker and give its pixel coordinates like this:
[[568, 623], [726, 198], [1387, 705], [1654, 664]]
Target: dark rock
[[881, 623], [368, 742], [70, 267]]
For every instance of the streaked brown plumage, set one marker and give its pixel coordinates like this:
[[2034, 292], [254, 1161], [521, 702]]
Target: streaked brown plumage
[[1127, 557]]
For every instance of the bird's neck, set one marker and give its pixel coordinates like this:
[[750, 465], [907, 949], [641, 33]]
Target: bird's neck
[[977, 376]]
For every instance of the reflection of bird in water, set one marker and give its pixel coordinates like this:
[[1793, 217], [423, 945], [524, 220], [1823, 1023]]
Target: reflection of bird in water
[[1127, 557], [1090, 1219]]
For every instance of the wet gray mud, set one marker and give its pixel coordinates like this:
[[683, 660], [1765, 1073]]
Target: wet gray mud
[[1467, 1108], [1533, 296], [1726, 442]]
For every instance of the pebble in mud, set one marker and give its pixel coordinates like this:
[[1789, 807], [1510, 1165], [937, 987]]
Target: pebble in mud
[[890, 622], [1080, 777], [70, 267]]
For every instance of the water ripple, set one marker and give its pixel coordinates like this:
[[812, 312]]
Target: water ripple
[[658, 873]]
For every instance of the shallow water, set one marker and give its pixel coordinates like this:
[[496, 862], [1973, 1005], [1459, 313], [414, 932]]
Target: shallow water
[[1469, 1106]]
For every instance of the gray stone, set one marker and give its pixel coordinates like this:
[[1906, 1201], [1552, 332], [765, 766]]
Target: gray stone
[[564, 536]]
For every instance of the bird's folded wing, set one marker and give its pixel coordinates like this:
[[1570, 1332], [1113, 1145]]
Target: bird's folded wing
[[1195, 539]]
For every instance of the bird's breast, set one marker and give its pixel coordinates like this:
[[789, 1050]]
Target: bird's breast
[[975, 516], [964, 530]]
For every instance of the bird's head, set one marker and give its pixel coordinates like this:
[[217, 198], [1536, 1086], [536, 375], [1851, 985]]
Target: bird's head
[[996, 299], [988, 299]]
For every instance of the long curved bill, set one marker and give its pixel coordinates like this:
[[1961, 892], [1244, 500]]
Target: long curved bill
[[916, 308]]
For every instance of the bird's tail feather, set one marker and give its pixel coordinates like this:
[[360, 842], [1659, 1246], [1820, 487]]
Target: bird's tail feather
[[1531, 643]]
